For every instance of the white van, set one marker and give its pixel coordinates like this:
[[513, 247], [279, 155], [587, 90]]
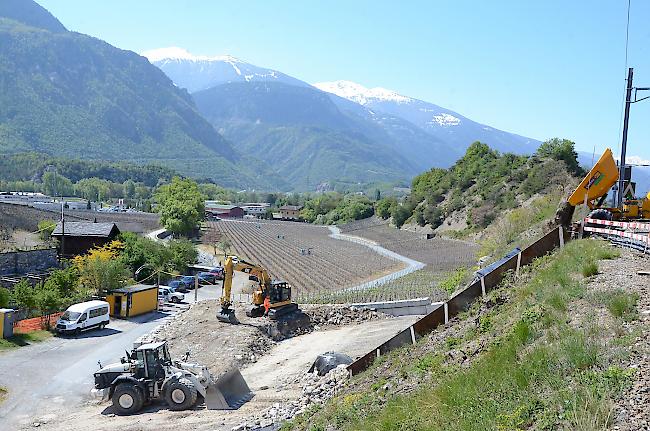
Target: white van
[[82, 316]]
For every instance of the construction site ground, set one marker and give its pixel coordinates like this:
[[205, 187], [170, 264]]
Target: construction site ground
[[272, 369]]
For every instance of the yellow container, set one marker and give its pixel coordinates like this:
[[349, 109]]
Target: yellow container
[[133, 301]]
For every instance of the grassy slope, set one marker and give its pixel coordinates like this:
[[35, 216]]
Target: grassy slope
[[523, 358]]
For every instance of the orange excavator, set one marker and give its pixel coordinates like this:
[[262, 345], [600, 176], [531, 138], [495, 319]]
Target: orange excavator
[[271, 298], [593, 190]]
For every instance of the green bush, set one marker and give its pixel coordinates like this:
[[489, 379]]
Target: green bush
[[622, 304], [590, 269]]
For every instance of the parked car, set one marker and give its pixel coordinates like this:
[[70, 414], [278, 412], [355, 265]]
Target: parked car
[[218, 272], [207, 278], [166, 294], [188, 280], [83, 316], [235, 259], [178, 286]]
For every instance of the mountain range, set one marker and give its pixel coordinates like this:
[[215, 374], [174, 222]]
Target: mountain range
[[70, 95], [265, 110]]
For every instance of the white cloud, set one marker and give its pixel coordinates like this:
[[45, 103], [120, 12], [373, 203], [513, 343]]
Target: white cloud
[[635, 160]]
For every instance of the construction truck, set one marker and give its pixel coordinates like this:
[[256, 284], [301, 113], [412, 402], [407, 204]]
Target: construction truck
[[593, 191], [270, 297], [148, 374]]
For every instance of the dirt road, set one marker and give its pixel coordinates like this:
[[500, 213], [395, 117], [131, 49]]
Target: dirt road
[[279, 370]]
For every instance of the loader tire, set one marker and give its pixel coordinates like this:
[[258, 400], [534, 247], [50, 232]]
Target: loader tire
[[180, 394], [127, 399]]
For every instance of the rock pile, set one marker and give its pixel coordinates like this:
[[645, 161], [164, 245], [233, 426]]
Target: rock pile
[[335, 315], [315, 390]]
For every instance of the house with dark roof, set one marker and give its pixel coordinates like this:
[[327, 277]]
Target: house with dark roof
[[77, 237], [290, 212], [219, 210]]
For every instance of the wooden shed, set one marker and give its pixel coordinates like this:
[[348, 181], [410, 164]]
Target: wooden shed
[[133, 300], [77, 237]]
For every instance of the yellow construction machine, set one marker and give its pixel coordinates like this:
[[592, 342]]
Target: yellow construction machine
[[593, 190], [271, 297]]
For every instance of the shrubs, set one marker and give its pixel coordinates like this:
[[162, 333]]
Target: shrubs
[[589, 269]]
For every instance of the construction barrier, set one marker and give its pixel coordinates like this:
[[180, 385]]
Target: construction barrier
[[487, 279], [627, 232]]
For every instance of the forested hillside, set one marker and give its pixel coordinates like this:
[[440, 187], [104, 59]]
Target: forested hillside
[[70, 95], [482, 185]]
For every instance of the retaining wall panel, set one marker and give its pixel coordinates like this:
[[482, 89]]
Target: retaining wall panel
[[397, 341], [425, 325], [463, 299]]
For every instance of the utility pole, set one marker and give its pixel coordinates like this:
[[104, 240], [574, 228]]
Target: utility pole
[[626, 120]]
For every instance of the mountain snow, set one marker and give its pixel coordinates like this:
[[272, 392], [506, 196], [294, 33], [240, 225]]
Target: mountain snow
[[175, 53], [445, 119], [360, 94], [199, 72]]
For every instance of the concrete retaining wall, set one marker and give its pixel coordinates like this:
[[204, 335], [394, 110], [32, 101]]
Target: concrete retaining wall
[[24, 262], [406, 307]]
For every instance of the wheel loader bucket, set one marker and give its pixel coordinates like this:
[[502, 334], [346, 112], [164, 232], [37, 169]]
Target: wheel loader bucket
[[228, 393]]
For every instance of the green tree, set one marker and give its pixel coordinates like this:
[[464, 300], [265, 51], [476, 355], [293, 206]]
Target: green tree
[[64, 281], [47, 301], [183, 253], [129, 189], [561, 149], [5, 297], [384, 207], [23, 295], [56, 185], [400, 214], [225, 245], [377, 194], [45, 229], [181, 206]]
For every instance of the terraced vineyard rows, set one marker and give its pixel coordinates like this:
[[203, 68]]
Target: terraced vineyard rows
[[439, 254], [302, 254]]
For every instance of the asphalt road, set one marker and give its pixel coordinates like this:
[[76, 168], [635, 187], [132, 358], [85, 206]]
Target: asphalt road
[[49, 378]]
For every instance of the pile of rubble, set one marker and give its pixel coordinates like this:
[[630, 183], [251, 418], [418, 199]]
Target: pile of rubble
[[315, 390], [335, 315]]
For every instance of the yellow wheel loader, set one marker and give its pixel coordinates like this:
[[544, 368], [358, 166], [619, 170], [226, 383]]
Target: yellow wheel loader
[[593, 190]]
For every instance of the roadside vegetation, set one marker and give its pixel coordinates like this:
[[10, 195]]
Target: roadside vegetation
[[528, 356], [101, 270], [20, 340]]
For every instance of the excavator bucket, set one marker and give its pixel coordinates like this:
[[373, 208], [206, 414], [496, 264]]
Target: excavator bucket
[[227, 316], [228, 393]]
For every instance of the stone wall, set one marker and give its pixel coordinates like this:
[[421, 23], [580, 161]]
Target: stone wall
[[32, 261]]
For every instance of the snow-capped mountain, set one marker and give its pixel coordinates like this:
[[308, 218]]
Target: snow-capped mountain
[[442, 123], [200, 72], [360, 94]]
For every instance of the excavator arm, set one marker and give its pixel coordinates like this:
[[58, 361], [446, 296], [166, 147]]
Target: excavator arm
[[227, 314]]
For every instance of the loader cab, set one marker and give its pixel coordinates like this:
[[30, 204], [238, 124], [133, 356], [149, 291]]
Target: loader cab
[[151, 359]]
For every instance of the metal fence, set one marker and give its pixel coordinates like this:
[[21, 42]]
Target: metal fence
[[486, 280]]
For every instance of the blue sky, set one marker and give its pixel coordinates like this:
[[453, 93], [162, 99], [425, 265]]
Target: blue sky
[[540, 69]]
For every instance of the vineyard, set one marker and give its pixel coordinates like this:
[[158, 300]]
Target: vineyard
[[418, 284], [439, 254], [302, 254]]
